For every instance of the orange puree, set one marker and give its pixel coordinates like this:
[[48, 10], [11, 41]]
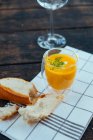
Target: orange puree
[[60, 70]]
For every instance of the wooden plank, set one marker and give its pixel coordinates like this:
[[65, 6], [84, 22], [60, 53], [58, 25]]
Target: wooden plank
[[34, 19], [27, 72], [10, 4], [22, 47]]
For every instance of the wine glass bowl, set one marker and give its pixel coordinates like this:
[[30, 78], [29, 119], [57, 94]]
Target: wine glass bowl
[[52, 4], [51, 40], [59, 66]]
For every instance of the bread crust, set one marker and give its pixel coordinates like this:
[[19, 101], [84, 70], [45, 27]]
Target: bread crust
[[16, 97], [8, 94]]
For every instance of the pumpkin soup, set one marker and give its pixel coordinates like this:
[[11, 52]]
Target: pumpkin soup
[[60, 70]]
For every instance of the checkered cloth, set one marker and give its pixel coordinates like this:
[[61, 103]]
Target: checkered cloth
[[70, 119]]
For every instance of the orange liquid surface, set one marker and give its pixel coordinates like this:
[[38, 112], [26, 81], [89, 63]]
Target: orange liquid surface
[[60, 76]]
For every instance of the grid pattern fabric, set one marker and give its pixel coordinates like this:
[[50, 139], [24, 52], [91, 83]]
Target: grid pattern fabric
[[70, 119]]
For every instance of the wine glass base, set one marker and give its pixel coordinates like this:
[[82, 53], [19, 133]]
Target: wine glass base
[[51, 41]]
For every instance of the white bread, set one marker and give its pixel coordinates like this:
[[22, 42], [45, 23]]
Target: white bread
[[16, 90], [44, 106], [8, 111]]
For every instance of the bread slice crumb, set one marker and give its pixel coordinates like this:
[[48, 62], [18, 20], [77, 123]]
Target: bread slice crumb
[[44, 106], [16, 90], [8, 111]]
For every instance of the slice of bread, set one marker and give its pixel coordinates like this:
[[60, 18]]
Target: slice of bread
[[16, 90], [8, 111], [42, 108]]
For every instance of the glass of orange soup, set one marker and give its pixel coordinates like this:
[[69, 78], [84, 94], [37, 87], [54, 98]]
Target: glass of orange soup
[[59, 66]]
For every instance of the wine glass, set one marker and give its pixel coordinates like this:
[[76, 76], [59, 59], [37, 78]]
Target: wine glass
[[58, 68], [51, 40]]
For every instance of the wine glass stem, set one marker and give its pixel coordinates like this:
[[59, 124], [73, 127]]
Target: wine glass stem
[[51, 23]]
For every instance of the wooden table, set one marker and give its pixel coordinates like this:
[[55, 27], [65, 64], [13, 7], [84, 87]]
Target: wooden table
[[22, 21]]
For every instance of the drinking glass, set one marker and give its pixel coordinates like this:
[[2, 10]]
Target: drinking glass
[[51, 40], [58, 68]]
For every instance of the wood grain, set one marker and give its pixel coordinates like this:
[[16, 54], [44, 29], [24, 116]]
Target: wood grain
[[27, 72], [21, 47], [38, 19]]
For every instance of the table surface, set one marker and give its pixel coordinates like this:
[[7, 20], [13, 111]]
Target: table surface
[[22, 21]]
